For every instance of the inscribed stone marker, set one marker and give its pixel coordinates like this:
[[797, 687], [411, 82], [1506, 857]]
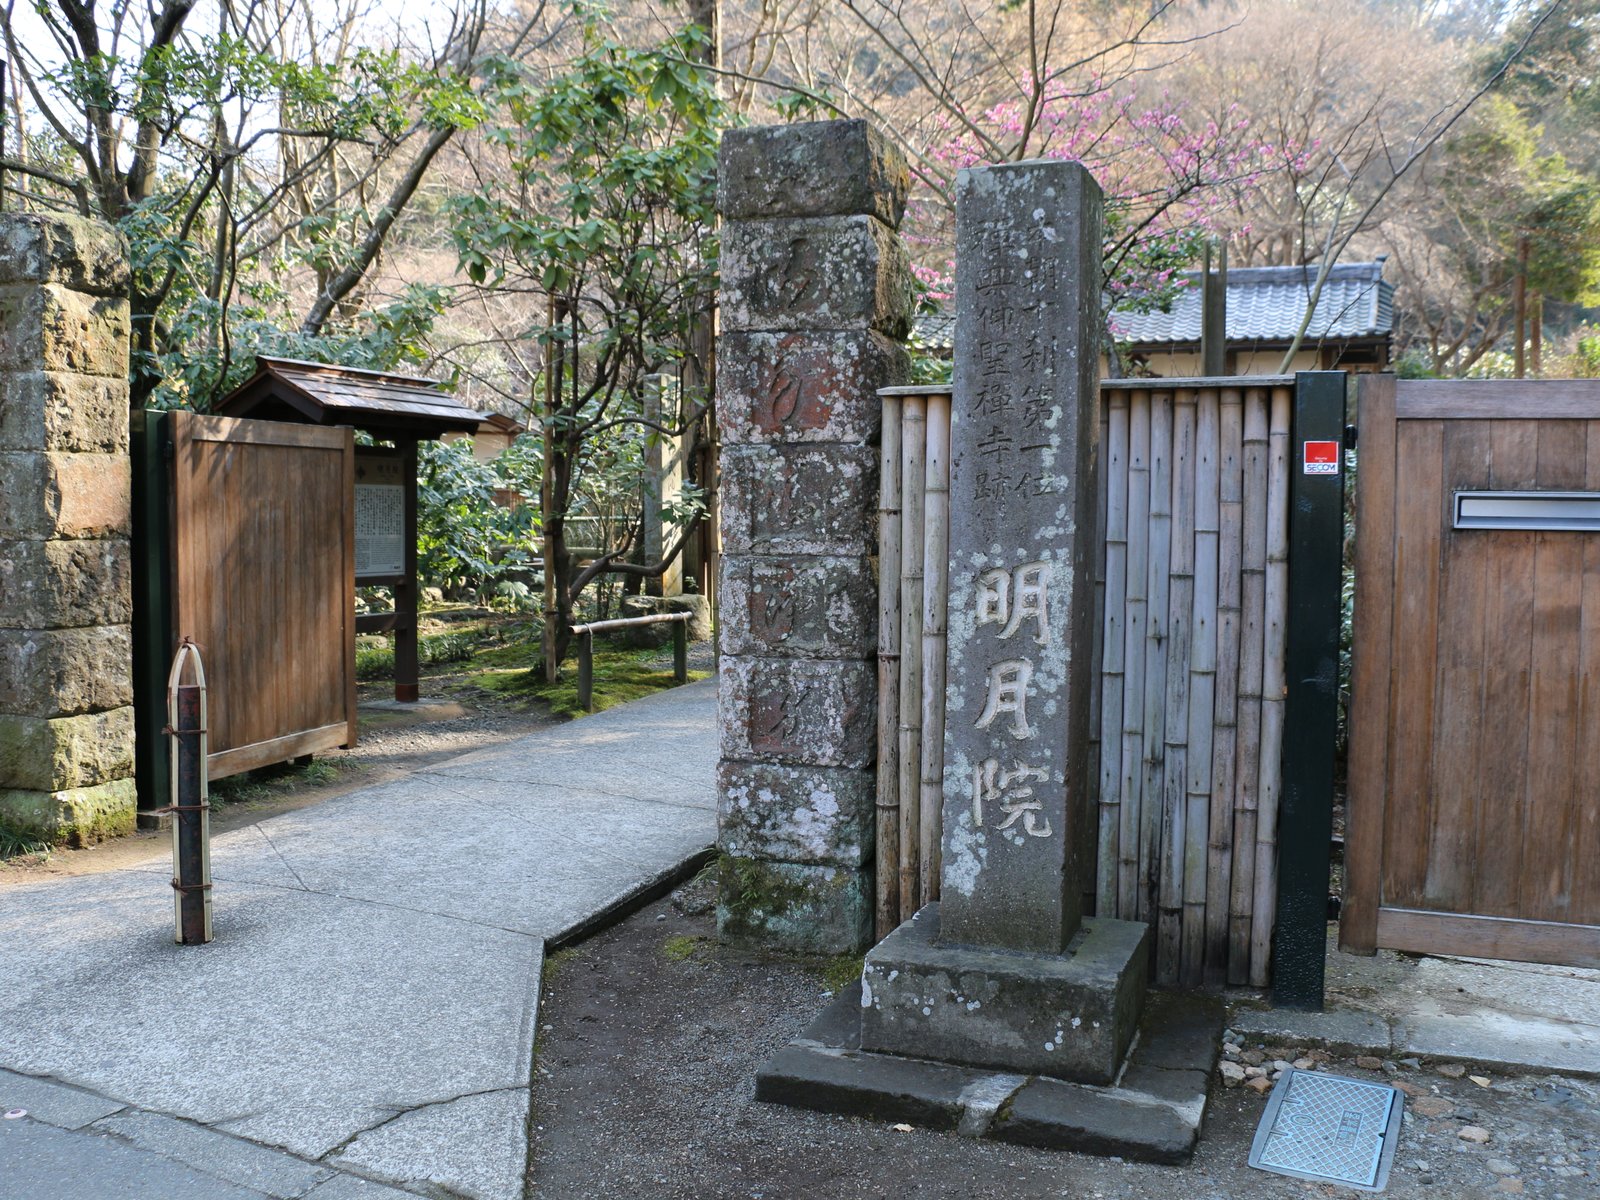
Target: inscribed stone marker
[[1023, 452]]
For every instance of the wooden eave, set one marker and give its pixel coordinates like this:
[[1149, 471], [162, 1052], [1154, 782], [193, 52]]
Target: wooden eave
[[382, 404]]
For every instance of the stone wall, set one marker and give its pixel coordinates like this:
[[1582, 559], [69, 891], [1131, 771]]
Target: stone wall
[[816, 295], [66, 692]]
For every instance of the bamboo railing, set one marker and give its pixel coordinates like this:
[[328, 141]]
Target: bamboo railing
[[1191, 585]]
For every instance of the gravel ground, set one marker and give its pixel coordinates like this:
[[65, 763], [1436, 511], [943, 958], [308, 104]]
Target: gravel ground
[[651, 1034]]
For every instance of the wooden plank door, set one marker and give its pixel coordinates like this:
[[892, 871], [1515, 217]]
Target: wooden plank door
[[1474, 781], [264, 581]]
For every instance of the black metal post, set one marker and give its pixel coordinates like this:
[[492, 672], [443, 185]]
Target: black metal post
[[1311, 707], [586, 671], [152, 610], [680, 651]]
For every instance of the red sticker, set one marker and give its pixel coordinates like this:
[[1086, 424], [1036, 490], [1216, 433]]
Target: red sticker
[[1322, 458]]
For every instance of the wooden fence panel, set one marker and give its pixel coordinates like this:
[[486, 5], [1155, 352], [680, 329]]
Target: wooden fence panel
[[1473, 765], [264, 581]]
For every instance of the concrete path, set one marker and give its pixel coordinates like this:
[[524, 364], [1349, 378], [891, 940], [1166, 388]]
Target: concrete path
[[1523, 1016], [368, 1008]]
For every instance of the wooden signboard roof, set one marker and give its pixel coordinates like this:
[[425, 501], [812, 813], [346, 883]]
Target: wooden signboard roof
[[380, 402]]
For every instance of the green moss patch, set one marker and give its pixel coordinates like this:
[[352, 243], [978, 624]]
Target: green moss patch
[[680, 947], [619, 676]]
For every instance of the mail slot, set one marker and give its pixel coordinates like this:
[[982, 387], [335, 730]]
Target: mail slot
[[1528, 510]]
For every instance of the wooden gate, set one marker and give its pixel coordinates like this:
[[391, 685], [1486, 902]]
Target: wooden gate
[[263, 579], [1474, 806]]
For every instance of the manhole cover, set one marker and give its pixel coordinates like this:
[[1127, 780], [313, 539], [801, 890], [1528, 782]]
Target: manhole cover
[[1329, 1128]]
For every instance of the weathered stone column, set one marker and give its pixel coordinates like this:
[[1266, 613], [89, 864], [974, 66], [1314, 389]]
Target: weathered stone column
[[66, 692], [1022, 528], [816, 293], [998, 973]]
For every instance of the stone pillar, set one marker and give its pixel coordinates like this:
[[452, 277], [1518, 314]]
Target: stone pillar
[[816, 295], [1022, 531], [663, 481], [998, 973], [66, 691]]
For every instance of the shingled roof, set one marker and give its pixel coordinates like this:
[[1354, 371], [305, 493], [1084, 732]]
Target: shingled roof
[[1265, 306], [381, 402]]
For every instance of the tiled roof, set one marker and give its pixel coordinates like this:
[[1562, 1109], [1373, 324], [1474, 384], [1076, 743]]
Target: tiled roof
[[1265, 304]]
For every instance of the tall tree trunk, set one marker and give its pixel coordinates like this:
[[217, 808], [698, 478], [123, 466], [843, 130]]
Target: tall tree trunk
[[552, 510], [699, 372]]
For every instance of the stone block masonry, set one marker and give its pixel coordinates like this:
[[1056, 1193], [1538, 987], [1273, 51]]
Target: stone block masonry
[[816, 292], [66, 721]]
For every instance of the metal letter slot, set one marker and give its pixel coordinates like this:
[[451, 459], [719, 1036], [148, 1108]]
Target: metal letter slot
[[1575, 511]]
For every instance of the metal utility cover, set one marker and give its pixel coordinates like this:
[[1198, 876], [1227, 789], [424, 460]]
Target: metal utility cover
[[1329, 1128]]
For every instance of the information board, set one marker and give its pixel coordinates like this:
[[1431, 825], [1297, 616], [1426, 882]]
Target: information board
[[380, 516]]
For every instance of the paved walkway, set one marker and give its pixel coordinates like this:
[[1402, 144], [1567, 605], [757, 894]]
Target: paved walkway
[[1521, 1016], [367, 1011]]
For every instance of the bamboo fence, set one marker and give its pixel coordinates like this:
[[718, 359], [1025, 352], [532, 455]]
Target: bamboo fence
[[887, 909], [1193, 638], [1191, 587], [913, 587]]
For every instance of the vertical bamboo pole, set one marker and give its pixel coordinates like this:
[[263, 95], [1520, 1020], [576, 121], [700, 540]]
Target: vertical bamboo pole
[[1230, 567], [1274, 631], [1132, 783], [1114, 468], [1247, 755], [913, 479], [1202, 686], [1175, 718], [1155, 653], [935, 595], [888, 857], [1091, 820]]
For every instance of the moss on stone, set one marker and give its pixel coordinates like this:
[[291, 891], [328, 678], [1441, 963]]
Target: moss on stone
[[74, 817], [840, 971], [792, 906]]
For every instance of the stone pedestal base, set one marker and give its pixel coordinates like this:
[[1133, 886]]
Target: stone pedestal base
[[1068, 1016], [1152, 1114]]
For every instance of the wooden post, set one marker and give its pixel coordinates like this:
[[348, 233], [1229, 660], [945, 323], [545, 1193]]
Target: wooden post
[[153, 630], [680, 651], [586, 671], [1520, 307], [1214, 314], [913, 481], [405, 592], [1536, 334]]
